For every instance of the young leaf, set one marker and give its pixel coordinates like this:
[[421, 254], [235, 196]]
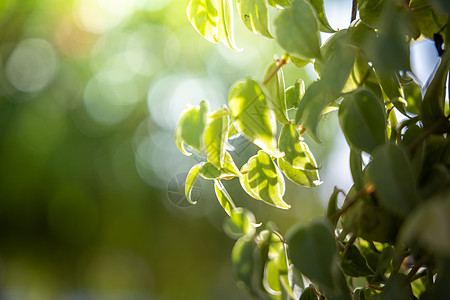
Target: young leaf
[[190, 181], [250, 111], [229, 170], [391, 173], [204, 16], [216, 133], [241, 222], [298, 176], [296, 151], [223, 197], [356, 168], [282, 3], [245, 183], [312, 249], [296, 30], [276, 91], [254, 15], [225, 28], [266, 181], [323, 22], [362, 120], [294, 94], [190, 128]]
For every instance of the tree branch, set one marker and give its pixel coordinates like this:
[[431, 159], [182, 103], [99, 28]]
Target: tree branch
[[354, 10]]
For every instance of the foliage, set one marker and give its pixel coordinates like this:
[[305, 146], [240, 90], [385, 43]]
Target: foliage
[[393, 230]]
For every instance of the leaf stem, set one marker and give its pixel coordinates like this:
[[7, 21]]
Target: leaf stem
[[375, 287], [354, 10], [281, 63], [413, 272], [426, 134], [367, 190], [348, 245]]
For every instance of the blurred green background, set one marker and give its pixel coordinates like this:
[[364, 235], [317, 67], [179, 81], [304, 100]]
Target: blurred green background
[[90, 93]]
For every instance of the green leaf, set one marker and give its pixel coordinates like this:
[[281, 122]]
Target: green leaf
[[298, 176], [294, 94], [312, 249], [241, 222], [223, 197], [282, 3], [429, 225], [229, 170], [432, 109], [296, 151], [323, 22], [245, 183], [276, 91], [317, 97], [389, 83], [428, 19], [265, 180], [362, 120], [355, 264], [397, 287], [300, 63], [413, 96], [391, 173], [308, 294], [356, 168], [332, 207], [190, 181], [296, 30], [204, 16], [254, 15], [370, 11], [216, 133], [225, 27], [242, 260], [190, 128], [250, 111]]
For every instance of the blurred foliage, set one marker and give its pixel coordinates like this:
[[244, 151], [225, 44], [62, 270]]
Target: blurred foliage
[[90, 92]]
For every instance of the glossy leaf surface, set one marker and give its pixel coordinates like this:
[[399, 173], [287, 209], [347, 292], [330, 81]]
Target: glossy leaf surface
[[204, 16], [254, 15]]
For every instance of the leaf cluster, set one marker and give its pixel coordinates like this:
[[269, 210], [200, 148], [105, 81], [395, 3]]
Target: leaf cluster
[[391, 237]]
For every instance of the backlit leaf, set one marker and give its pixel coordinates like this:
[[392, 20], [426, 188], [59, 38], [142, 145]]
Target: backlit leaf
[[296, 30], [266, 180], [226, 23], [250, 111], [296, 151], [216, 133], [223, 197], [282, 3], [204, 16], [323, 22], [276, 91], [229, 169], [362, 120], [242, 260], [254, 15], [190, 181], [298, 176], [294, 94], [241, 222], [190, 128]]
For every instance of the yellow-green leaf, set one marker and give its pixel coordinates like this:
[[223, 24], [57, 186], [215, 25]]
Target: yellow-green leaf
[[190, 181], [191, 127], [276, 91], [223, 197], [216, 133], [250, 111], [204, 16], [266, 180], [254, 15], [226, 24], [301, 177], [242, 222]]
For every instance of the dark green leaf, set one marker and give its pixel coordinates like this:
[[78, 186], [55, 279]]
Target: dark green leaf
[[430, 21], [296, 30], [250, 111], [242, 259], [332, 207], [362, 120], [312, 249], [391, 173], [356, 168], [389, 83], [254, 15], [308, 294], [397, 287], [355, 264]]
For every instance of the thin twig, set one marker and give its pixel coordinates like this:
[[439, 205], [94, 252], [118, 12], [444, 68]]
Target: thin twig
[[375, 287], [349, 244], [354, 10], [367, 190], [281, 63], [413, 272]]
